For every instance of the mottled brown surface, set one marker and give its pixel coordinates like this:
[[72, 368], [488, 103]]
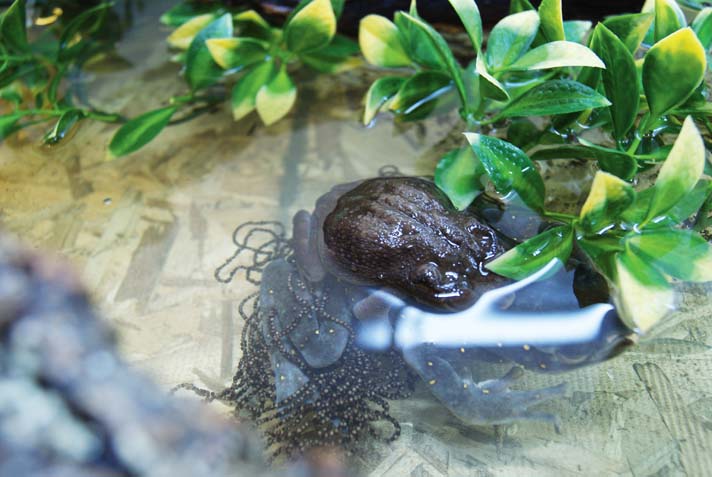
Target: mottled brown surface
[[403, 233]]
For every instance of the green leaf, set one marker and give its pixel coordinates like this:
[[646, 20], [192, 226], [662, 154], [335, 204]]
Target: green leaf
[[672, 70], [554, 97], [276, 98], [182, 36], [668, 18], [139, 131], [517, 6], [509, 169], [201, 70], [89, 20], [491, 87], [12, 27], [534, 254], [682, 254], [337, 56], [576, 30], [630, 28], [244, 93], [441, 47], [458, 174], [620, 79], [470, 17], [609, 160], [510, 38], [642, 295], [557, 54], [336, 5], [311, 28], [183, 12], [380, 92], [416, 42], [231, 53], [552, 21], [601, 249], [381, 43], [63, 126], [702, 26], [420, 94], [608, 198], [8, 124], [250, 24], [680, 171]]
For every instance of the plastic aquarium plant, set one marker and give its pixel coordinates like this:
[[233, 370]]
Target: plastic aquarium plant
[[638, 78], [32, 72], [258, 56]]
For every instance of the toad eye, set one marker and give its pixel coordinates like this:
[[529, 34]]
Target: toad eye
[[427, 274]]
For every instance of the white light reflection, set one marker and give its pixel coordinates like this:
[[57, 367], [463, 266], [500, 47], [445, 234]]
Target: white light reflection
[[486, 323]]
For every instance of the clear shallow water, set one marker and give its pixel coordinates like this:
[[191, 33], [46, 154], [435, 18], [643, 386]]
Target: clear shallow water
[[147, 232]]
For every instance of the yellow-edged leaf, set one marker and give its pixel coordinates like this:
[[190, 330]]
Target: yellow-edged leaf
[[244, 93], [680, 171], [232, 53], [312, 27], [608, 198], [642, 295], [184, 34], [276, 98], [380, 42], [672, 70]]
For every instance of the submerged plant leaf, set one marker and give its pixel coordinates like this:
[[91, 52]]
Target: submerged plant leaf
[[682, 254], [380, 92], [608, 198], [244, 93], [555, 97], [509, 169], [557, 54], [276, 98], [470, 17], [534, 254], [620, 79], [510, 38], [680, 171], [552, 21], [182, 36], [63, 126], [312, 27], [381, 43], [458, 174], [12, 27], [232, 53], [139, 131], [641, 293], [630, 28], [200, 69], [672, 70]]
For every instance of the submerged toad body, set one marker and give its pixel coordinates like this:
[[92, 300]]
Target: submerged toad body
[[400, 233]]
